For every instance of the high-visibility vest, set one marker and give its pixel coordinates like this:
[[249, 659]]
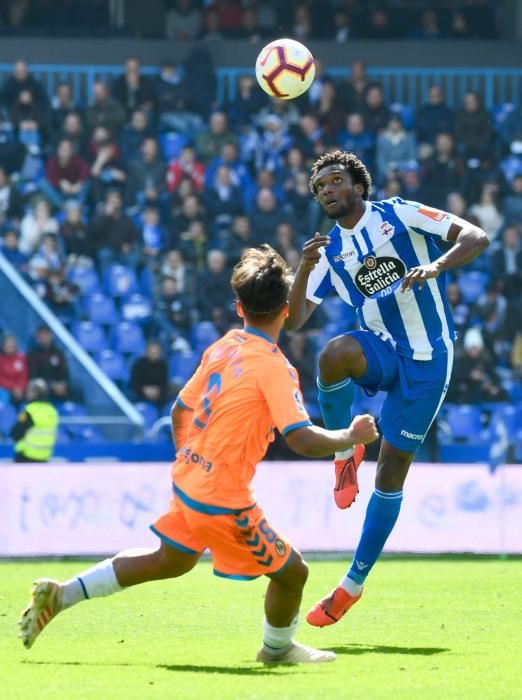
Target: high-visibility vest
[[38, 442]]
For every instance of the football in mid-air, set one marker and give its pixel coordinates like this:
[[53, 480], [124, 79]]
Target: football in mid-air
[[285, 69]]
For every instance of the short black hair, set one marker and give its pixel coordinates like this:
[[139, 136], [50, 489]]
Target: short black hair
[[355, 167], [262, 281]]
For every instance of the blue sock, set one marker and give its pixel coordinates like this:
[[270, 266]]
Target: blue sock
[[335, 402], [381, 516]]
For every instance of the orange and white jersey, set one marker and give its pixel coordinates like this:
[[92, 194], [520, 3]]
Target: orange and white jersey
[[243, 389]]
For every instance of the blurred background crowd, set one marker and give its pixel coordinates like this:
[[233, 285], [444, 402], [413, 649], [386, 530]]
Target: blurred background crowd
[[125, 213]]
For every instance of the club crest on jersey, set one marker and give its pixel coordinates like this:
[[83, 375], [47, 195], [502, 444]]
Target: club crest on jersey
[[386, 228], [378, 277]]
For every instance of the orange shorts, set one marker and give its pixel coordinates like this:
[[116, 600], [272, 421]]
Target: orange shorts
[[242, 543]]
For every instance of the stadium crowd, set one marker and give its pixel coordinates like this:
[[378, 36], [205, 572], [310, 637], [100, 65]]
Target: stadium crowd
[[254, 20], [126, 213]]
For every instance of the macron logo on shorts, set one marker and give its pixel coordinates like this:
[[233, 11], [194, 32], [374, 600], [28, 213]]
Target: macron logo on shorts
[[411, 436]]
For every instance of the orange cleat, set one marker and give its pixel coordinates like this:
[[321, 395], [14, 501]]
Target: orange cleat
[[346, 487], [329, 610]]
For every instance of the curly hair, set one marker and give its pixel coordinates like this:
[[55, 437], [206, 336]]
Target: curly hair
[[262, 281], [350, 162]]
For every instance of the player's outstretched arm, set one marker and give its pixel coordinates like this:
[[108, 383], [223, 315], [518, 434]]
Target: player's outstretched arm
[[313, 441], [300, 308]]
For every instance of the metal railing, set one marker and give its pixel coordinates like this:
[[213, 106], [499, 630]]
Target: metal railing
[[408, 85]]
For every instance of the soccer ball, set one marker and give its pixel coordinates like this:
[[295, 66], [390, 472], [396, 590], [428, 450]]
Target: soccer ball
[[285, 69]]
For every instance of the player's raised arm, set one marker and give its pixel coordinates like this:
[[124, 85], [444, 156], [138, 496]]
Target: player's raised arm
[[313, 441], [300, 308]]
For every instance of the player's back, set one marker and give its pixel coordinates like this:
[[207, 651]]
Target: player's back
[[243, 387]]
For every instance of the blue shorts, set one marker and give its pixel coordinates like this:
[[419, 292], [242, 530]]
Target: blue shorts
[[415, 388]]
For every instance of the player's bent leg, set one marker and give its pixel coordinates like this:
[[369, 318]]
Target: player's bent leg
[[133, 567], [282, 602], [341, 359]]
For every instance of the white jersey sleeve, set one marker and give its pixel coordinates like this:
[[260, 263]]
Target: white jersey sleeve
[[425, 220], [320, 280]]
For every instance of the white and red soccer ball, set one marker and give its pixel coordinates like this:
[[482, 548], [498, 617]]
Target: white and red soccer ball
[[285, 69]]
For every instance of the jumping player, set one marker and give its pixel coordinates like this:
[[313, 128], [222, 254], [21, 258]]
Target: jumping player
[[382, 259], [222, 423]]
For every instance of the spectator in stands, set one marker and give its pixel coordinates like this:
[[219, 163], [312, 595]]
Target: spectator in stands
[[193, 243], [174, 266], [35, 224], [285, 238], [152, 235], [304, 210], [210, 29], [149, 375], [10, 248], [113, 235], [342, 27], [249, 30], [249, 99], [428, 27], [358, 139], [241, 237], [49, 250], [67, 176], [395, 148], [22, 81], [133, 135], [61, 296], [107, 169], [241, 177], [10, 200], [441, 173], [14, 373], [490, 308], [183, 21], [266, 216], [213, 287], [191, 209], [460, 311], [352, 92], [104, 110], [375, 112], [26, 108], [199, 70], [302, 23], [487, 212], [473, 129], [74, 231], [307, 136], [186, 166], [133, 90], [459, 28], [512, 203], [474, 378], [210, 141], [480, 172], [147, 175], [229, 14], [329, 112], [274, 143], [223, 199], [411, 186], [173, 310], [47, 361], [298, 351], [74, 131], [62, 104], [506, 262], [434, 117], [172, 102], [379, 25]]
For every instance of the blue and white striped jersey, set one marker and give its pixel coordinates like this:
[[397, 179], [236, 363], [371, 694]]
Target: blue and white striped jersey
[[366, 264]]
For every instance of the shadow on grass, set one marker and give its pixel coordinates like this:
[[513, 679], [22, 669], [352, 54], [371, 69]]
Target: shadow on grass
[[358, 649], [182, 668]]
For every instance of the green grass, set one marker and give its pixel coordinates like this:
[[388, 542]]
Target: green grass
[[425, 628]]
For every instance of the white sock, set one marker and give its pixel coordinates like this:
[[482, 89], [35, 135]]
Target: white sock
[[350, 586], [96, 582], [344, 454], [275, 639]]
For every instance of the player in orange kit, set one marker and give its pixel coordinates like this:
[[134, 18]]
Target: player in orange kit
[[222, 422]]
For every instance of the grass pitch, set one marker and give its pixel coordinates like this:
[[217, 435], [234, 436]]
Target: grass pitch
[[425, 628]]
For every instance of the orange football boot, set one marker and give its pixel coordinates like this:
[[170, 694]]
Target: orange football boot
[[346, 487], [329, 610]]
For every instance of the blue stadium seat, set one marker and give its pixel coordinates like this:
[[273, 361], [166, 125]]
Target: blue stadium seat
[[204, 333], [171, 144], [120, 281], [70, 408], [7, 418], [464, 422], [129, 338], [472, 284], [113, 364], [405, 112], [510, 415], [90, 336], [148, 411], [136, 307], [86, 277], [182, 366], [102, 309], [501, 112]]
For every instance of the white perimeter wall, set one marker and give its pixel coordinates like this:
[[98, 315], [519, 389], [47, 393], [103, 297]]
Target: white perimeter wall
[[102, 508]]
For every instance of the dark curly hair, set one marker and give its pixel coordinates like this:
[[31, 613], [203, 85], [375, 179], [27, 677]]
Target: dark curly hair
[[354, 166], [262, 281]]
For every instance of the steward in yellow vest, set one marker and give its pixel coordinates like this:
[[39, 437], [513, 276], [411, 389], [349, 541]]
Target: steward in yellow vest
[[35, 431]]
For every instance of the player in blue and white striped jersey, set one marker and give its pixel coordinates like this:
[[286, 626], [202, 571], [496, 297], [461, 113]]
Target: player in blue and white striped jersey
[[382, 259]]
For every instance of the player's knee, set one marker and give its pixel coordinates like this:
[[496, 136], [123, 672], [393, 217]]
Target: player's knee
[[341, 357]]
